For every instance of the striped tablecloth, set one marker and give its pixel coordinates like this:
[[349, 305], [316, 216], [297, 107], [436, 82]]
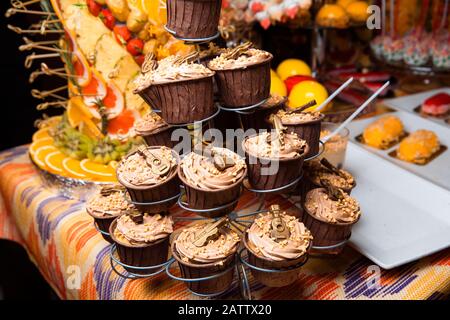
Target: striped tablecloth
[[61, 240]]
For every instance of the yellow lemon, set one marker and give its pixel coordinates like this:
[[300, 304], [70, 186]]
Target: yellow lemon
[[277, 85], [358, 11], [306, 91], [293, 67]]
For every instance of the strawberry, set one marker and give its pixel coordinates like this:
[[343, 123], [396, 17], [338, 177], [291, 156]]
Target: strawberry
[[107, 18], [122, 34], [140, 59], [135, 46], [94, 7]]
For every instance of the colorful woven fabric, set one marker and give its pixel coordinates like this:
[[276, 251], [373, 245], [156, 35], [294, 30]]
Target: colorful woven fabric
[[61, 240]]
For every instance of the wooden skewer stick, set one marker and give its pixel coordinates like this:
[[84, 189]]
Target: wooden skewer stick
[[26, 47], [354, 114], [56, 72], [31, 31], [38, 73], [22, 5], [29, 59], [39, 43], [43, 94], [46, 105], [12, 11]]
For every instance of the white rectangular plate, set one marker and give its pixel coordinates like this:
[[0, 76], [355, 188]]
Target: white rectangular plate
[[436, 171], [404, 217], [409, 103]]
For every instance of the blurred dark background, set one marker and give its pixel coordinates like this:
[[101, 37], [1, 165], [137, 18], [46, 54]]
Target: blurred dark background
[[19, 278]]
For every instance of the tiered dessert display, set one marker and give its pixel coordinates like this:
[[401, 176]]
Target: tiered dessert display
[[110, 99]]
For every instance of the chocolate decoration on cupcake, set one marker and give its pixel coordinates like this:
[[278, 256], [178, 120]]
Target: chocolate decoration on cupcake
[[150, 175], [330, 214], [242, 75], [193, 19], [106, 205], [206, 249], [279, 154], [306, 125], [322, 173], [214, 181], [179, 87], [155, 131], [277, 241], [142, 239]]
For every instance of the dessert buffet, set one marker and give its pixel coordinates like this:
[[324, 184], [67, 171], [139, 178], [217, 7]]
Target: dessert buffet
[[183, 158]]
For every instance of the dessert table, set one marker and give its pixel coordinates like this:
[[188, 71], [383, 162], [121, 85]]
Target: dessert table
[[61, 240]]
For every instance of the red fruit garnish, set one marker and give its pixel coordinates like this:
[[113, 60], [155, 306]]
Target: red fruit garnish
[[94, 7], [135, 46], [293, 80], [139, 59], [257, 7], [110, 100], [122, 123], [107, 18], [122, 34], [265, 23]]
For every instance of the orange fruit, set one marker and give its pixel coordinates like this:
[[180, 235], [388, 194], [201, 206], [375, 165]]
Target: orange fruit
[[73, 168], [306, 91], [40, 155], [54, 160], [292, 67], [77, 112], [40, 143], [41, 134], [98, 171]]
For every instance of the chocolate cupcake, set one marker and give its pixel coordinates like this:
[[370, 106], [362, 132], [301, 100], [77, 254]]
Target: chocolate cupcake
[[274, 159], [181, 89], [106, 205], [193, 19], [212, 181], [204, 250], [320, 174], [306, 125], [142, 240], [155, 131], [242, 75], [257, 118], [330, 214], [150, 175], [277, 241]]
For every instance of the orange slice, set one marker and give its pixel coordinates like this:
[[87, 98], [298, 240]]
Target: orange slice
[[97, 170], [41, 153], [73, 168], [154, 10], [41, 134], [40, 143], [77, 112], [54, 160]]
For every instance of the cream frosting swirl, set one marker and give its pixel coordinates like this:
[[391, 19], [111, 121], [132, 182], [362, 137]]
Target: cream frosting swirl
[[263, 244], [169, 71], [135, 170], [298, 117], [266, 145], [321, 205], [249, 57], [201, 171], [317, 172], [154, 227], [112, 204], [215, 250], [150, 123]]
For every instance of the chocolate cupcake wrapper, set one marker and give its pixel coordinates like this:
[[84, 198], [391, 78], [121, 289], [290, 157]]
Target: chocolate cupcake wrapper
[[310, 132], [213, 286], [245, 86], [197, 199], [153, 254], [257, 119], [288, 171], [182, 101], [103, 225], [193, 19], [162, 138], [289, 269], [326, 234]]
